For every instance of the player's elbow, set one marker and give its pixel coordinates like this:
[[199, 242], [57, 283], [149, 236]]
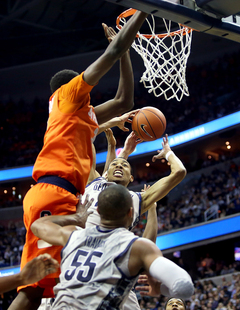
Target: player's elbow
[[183, 288], [34, 228], [180, 173]]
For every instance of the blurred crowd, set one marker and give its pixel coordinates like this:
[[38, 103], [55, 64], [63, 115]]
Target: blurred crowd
[[207, 197], [213, 91], [209, 295]]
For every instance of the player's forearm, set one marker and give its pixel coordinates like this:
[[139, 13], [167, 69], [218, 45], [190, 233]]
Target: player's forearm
[[11, 282], [177, 167], [151, 228], [111, 123], [176, 282], [63, 220], [125, 92], [111, 155]]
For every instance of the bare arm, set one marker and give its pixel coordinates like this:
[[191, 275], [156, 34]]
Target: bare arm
[[33, 271], [51, 228], [124, 98], [162, 187], [151, 229], [93, 172], [129, 145], [175, 281], [125, 93], [115, 50], [111, 153], [116, 121]]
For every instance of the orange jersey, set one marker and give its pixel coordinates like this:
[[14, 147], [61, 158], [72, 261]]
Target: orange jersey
[[67, 149]]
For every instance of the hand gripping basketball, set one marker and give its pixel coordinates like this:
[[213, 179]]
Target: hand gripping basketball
[[149, 124]]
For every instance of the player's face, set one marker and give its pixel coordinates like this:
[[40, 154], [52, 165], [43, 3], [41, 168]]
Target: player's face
[[119, 171], [175, 304]]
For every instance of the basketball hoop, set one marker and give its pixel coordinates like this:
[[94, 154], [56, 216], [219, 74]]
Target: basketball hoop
[[164, 55]]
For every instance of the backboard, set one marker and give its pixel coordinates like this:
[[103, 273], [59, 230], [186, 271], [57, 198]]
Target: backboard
[[216, 17]]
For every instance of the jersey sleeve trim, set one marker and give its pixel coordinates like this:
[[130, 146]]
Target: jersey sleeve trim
[[97, 179]]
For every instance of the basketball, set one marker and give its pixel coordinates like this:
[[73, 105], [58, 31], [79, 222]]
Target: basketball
[[149, 124]]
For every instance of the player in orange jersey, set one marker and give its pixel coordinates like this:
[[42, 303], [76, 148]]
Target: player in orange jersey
[[63, 165]]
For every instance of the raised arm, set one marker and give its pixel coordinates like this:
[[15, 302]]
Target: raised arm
[[111, 152], [129, 145], [162, 187], [116, 121], [117, 49]]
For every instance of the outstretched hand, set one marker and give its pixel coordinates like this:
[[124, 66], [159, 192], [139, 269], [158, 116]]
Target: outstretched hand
[[151, 286], [109, 32], [166, 148], [82, 210], [131, 142], [127, 117], [38, 268]]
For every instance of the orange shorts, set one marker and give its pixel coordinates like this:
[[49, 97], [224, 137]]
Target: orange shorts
[[42, 200]]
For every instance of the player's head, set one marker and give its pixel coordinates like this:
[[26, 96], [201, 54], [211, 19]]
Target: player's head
[[119, 171], [175, 304], [115, 206], [61, 78]]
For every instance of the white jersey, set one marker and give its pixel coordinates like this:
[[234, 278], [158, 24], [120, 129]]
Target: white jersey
[[94, 270], [94, 188]]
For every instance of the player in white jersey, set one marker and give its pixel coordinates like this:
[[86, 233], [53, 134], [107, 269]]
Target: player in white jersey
[[100, 264], [93, 190], [119, 172]]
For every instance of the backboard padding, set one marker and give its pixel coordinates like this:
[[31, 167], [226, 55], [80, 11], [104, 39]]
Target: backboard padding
[[186, 16]]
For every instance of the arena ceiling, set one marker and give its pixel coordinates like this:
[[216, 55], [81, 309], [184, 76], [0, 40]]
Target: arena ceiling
[[34, 30]]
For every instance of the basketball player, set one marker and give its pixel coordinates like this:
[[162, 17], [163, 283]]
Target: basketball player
[[100, 264], [119, 172], [32, 272], [63, 165]]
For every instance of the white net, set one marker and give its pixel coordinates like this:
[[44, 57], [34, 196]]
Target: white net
[[165, 59]]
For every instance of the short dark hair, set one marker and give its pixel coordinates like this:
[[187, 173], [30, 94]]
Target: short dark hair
[[114, 202], [183, 301], [61, 78]]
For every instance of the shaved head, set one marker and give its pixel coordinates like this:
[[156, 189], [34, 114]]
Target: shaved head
[[114, 202]]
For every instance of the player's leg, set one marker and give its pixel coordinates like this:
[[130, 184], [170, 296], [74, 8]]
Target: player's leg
[[28, 298], [42, 200]]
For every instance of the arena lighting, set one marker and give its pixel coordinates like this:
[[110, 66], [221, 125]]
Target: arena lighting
[[145, 147], [9, 271], [200, 232]]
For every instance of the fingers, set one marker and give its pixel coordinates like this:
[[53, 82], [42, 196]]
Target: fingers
[[50, 264], [143, 278], [144, 290]]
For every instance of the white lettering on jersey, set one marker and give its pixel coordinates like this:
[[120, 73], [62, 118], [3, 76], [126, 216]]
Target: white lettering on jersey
[[92, 115], [51, 105]]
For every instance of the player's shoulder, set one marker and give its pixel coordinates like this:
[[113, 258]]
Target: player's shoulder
[[135, 194], [97, 180]]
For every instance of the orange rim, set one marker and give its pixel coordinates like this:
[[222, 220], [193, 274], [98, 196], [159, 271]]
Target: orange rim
[[130, 12]]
